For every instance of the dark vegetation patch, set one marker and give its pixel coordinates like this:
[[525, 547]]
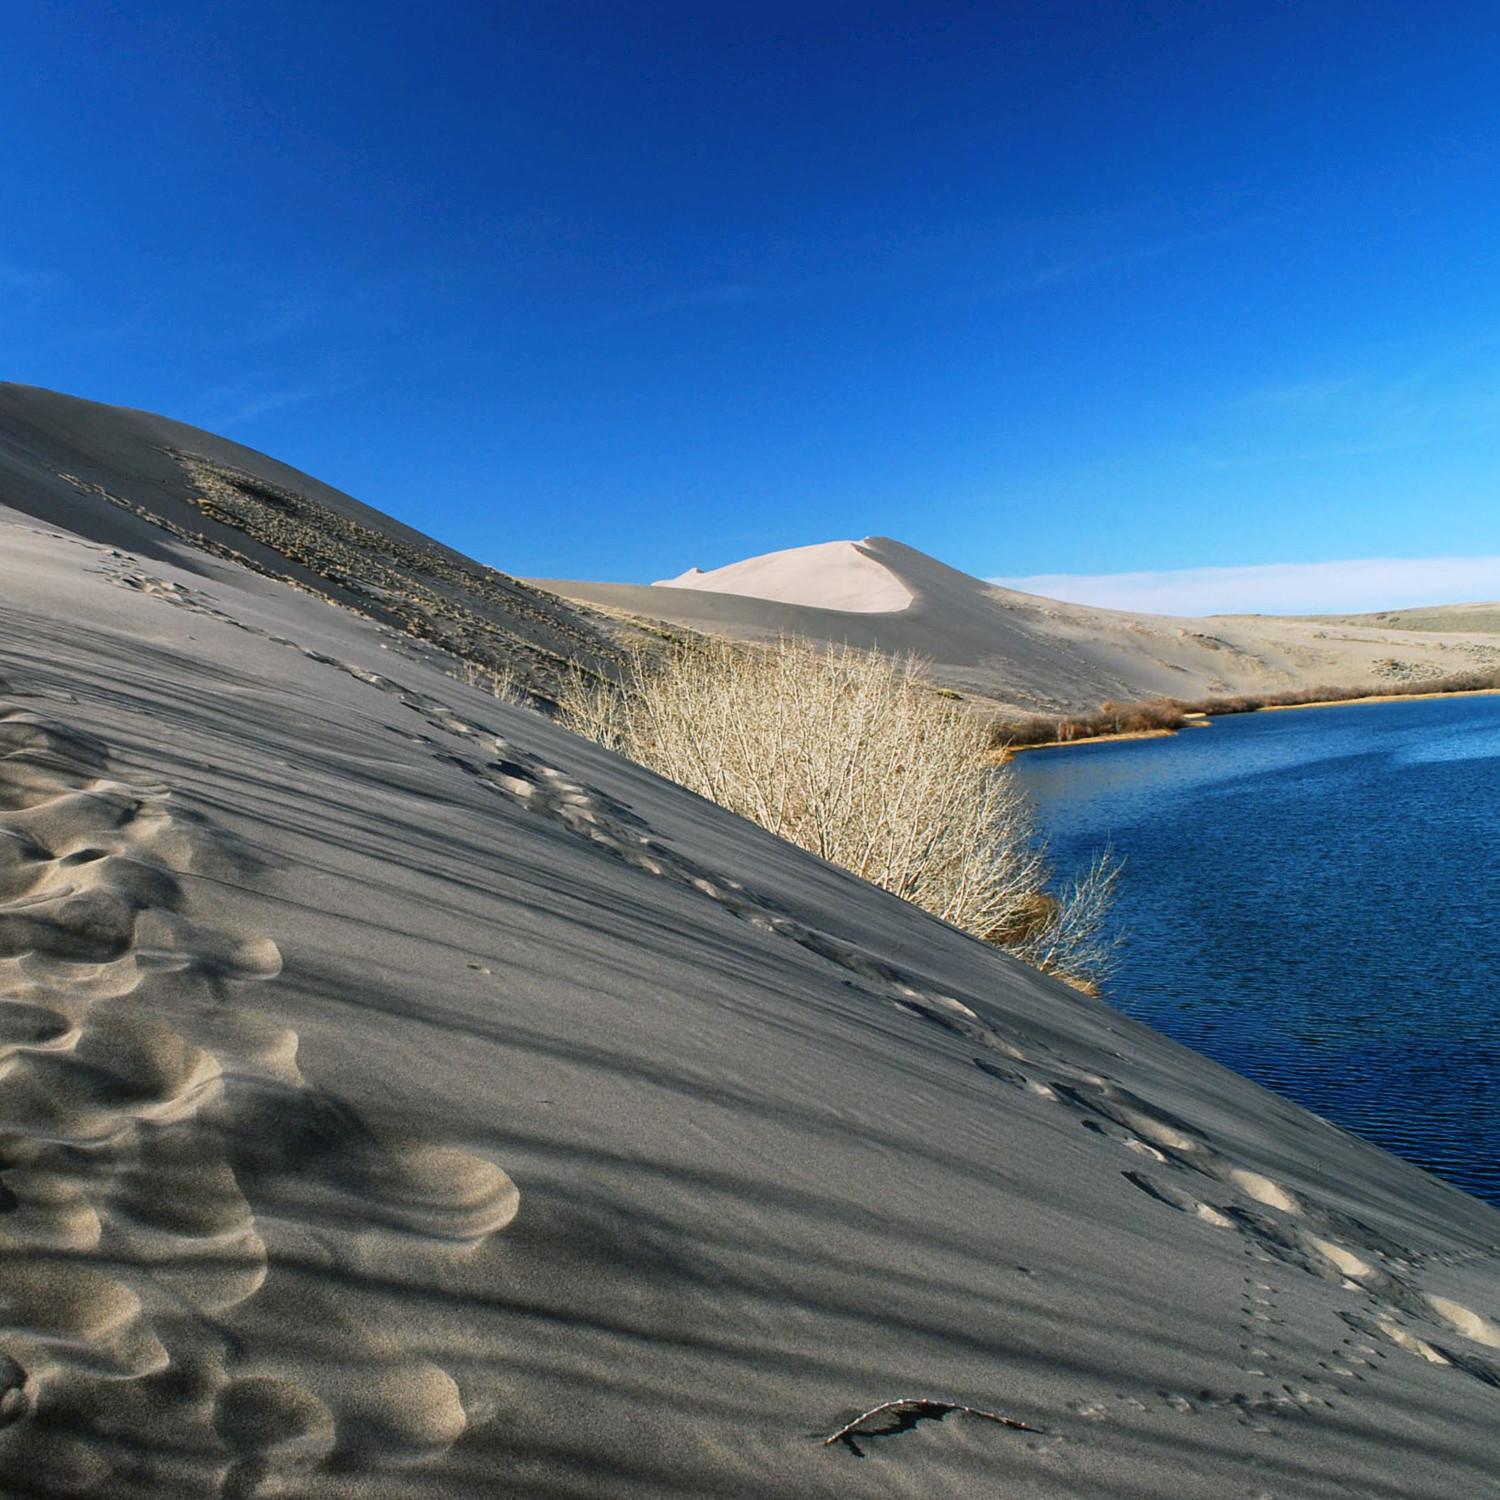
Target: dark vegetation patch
[[1150, 715], [493, 623]]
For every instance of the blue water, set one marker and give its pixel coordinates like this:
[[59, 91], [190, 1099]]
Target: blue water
[[1311, 898]]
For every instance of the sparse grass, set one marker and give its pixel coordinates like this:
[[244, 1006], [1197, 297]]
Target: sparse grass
[[501, 682], [852, 756]]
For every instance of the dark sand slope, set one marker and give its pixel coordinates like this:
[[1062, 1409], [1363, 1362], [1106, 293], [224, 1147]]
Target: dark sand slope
[[1042, 654], [175, 493], [402, 1098]]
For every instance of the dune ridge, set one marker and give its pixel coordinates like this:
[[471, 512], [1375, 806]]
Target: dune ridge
[[827, 575]]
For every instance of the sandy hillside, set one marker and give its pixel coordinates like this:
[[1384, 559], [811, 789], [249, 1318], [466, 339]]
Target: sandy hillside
[[403, 1098], [1447, 618], [1032, 653], [167, 491]]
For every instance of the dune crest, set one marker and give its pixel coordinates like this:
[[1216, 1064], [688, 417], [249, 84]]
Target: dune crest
[[826, 575]]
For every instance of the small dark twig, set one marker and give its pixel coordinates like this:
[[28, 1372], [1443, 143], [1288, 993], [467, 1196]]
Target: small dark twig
[[912, 1409]]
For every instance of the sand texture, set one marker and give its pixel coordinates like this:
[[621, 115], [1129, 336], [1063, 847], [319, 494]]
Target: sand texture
[[1042, 655], [1447, 618], [402, 1098]]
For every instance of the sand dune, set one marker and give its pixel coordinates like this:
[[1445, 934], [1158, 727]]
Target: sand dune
[[827, 575], [403, 1098], [1038, 654], [167, 492]]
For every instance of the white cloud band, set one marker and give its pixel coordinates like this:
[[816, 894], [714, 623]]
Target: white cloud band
[[1352, 587]]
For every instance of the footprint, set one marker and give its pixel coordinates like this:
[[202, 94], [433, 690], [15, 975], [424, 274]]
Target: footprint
[[401, 1412], [1263, 1190], [435, 1191], [308, 1156], [274, 1428], [1174, 1197], [1466, 1321]]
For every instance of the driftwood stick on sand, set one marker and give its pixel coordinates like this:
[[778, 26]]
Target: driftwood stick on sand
[[914, 1409]]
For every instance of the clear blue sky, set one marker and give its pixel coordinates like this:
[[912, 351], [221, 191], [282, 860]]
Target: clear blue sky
[[606, 290]]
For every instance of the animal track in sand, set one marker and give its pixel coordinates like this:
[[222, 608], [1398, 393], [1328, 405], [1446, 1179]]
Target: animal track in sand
[[132, 1076], [1278, 1225]]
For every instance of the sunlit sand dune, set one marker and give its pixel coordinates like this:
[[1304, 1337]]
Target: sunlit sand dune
[[827, 575]]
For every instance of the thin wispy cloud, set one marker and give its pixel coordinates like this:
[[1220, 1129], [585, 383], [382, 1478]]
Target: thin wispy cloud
[[280, 317], [1084, 267], [1354, 586], [291, 311], [1447, 394], [238, 402], [32, 279], [720, 294]]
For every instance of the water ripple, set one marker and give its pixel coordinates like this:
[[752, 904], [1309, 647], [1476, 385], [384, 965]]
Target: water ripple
[[1310, 899]]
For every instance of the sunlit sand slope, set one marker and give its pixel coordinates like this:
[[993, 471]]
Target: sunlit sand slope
[[827, 575], [402, 1098]]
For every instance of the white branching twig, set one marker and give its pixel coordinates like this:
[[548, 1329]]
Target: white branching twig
[[918, 1407]]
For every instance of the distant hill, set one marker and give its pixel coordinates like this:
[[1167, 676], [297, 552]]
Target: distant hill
[[1447, 619], [1031, 653]]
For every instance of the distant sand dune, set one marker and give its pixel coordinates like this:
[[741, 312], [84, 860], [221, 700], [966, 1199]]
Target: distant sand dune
[[827, 575]]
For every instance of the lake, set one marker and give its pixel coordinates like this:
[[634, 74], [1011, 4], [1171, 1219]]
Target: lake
[[1311, 898]]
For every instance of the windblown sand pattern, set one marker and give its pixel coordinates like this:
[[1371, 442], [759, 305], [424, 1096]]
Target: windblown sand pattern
[[145, 1106]]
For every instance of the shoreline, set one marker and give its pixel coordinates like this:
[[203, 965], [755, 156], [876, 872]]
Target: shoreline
[[1376, 698], [1005, 752], [1204, 719]]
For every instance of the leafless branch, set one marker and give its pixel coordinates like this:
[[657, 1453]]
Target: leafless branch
[[915, 1408]]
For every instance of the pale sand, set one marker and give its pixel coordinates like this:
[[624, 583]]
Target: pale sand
[[1379, 698], [1005, 752], [827, 575], [403, 1098], [1040, 655]]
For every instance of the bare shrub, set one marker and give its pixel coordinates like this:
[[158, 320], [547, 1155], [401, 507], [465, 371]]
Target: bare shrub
[[852, 756], [500, 682], [1079, 943]]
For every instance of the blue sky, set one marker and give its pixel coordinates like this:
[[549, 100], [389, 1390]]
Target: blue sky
[[613, 290]]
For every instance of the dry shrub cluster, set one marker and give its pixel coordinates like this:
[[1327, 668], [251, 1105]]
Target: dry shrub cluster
[[1173, 713], [1108, 718], [852, 756], [502, 682]]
